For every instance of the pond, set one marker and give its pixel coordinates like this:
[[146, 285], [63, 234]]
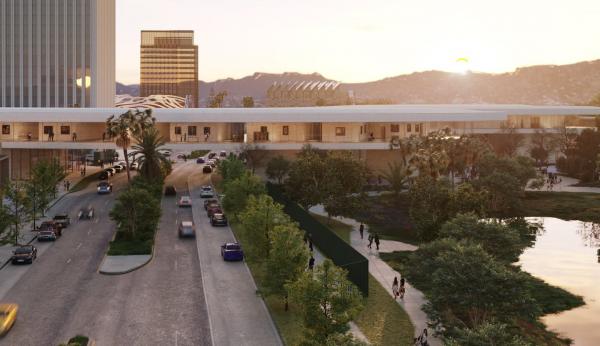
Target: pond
[[566, 255]]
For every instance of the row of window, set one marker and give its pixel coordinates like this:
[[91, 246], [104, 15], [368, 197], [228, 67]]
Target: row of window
[[64, 130], [192, 130]]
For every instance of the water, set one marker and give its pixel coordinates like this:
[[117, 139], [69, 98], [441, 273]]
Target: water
[[565, 255]]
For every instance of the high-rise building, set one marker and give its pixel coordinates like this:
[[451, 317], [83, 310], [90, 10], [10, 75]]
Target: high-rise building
[[169, 64], [57, 53]]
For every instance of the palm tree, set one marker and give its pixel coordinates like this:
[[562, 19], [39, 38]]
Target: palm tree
[[397, 175], [127, 126], [150, 158]]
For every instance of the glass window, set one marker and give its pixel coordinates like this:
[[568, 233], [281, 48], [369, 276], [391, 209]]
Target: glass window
[[418, 128], [65, 130], [177, 130], [395, 128], [408, 129], [535, 122], [340, 131], [286, 130], [207, 130], [48, 129], [191, 130], [6, 129]]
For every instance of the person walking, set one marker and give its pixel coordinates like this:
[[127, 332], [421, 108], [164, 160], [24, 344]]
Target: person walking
[[103, 136], [422, 339], [402, 289], [311, 263], [370, 241], [376, 239], [361, 230], [74, 136], [310, 245], [395, 288]]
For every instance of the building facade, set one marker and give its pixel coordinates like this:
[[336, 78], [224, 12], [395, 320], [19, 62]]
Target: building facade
[[169, 64], [306, 94], [57, 53]]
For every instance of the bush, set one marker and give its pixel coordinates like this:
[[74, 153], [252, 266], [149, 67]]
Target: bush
[[197, 153]]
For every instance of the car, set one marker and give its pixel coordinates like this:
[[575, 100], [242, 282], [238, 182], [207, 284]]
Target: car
[[232, 252], [200, 160], [210, 202], [185, 201], [46, 236], [170, 190], [119, 168], [223, 153], [62, 219], [110, 171], [103, 175], [133, 166], [207, 169], [51, 226], [187, 229], [104, 187], [212, 163], [86, 213], [207, 192], [218, 219], [8, 316], [213, 210], [211, 155], [24, 254]]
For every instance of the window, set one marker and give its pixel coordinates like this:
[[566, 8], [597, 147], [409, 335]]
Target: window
[[263, 129], [178, 130], [407, 127], [418, 128], [535, 122], [6, 129], [48, 130], [340, 131], [286, 130], [394, 128], [65, 130], [207, 130], [191, 130], [361, 130]]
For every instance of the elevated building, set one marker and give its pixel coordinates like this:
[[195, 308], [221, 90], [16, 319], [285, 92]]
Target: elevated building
[[306, 94]]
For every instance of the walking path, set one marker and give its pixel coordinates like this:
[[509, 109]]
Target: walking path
[[382, 272], [566, 186]]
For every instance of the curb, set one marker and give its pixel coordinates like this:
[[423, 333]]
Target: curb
[[131, 269]]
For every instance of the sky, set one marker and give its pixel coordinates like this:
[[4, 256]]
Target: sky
[[364, 40]]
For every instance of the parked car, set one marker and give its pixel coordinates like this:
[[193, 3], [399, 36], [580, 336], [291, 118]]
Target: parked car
[[62, 219], [232, 252], [210, 202], [187, 229], [223, 153], [46, 236], [218, 219], [8, 316], [86, 213], [119, 168], [185, 201], [212, 163], [207, 192], [133, 166], [170, 190], [51, 226], [207, 169], [103, 175], [200, 160], [110, 171], [24, 254], [211, 155], [104, 187], [214, 210]]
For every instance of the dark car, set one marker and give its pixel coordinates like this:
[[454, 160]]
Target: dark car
[[218, 219], [232, 252], [62, 219], [51, 226], [104, 187], [103, 175], [222, 153], [86, 213], [46, 236], [211, 155], [24, 254], [187, 229], [170, 190], [200, 160], [213, 210], [210, 202], [207, 169]]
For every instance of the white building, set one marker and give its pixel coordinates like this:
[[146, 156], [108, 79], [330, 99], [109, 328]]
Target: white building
[[57, 53]]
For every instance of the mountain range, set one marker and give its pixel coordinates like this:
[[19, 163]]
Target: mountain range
[[573, 84]]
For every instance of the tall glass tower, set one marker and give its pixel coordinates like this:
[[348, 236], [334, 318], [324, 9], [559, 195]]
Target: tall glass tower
[[57, 53]]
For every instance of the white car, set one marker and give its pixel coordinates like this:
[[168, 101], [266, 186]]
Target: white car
[[133, 165], [207, 192], [119, 168], [185, 201]]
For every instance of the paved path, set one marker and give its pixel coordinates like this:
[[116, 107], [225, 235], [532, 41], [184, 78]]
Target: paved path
[[566, 186], [384, 274], [238, 316]]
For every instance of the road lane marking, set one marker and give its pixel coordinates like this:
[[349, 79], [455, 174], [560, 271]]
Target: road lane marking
[[89, 231], [175, 338], [68, 261], [175, 264]]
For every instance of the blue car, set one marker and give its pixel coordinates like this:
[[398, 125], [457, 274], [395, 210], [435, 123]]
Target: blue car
[[232, 252], [104, 187], [200, 160]]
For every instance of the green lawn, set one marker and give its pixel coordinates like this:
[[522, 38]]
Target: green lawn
[[341, 229], [563, 205], [121, 247]]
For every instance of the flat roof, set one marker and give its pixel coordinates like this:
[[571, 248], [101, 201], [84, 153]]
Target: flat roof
[[352, 114]]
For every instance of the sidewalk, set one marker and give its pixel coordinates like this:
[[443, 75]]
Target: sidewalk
[[565, 186], [382, 272]]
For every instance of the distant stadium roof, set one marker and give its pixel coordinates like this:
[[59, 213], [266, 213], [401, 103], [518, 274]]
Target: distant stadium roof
[[152, 101]]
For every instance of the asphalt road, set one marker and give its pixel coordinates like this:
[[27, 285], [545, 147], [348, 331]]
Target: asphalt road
[[62, 294]]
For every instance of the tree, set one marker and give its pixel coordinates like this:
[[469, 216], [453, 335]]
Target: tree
[[41, 186], [468, 199], [287, 260], [248, 102], [217, 100], [487, 334], [429, 206], [398, 176], [16, 211], [148, 154], [254, 155], [508, 141], [328, 301], [230, 169], [259, 218], [542, 143], [306, 178], [136, 213], [239, 190], [277, 168], [125, 127], [587, 148], [343, 183]]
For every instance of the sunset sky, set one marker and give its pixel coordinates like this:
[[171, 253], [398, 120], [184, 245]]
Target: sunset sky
[[357, 40]]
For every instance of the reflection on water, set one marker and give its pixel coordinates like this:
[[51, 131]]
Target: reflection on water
[[566, 255]]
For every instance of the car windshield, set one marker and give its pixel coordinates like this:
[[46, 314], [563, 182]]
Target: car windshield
[[233, 247], [45, 232], [60, 216], [207, 188], [103, 184], [22, 250]]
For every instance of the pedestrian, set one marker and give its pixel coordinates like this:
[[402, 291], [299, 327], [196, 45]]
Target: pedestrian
[[103, 136], [361, 230], [29, 136], [185, 137], [402, 288], [370, 241], [68, 185], [422, 339], [395, 288], [74, 136], [310, 245], [84, 170], [376, 239], [311, 263], [206, 135], [305, 238]]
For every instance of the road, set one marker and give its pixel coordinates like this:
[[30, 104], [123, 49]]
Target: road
[[62, 294]]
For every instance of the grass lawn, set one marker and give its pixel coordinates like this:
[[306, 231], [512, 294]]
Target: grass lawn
[[79, 340], [580, 206], [83, 183], [341, 229], [383, 321], [197, 153], [121, 247]]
